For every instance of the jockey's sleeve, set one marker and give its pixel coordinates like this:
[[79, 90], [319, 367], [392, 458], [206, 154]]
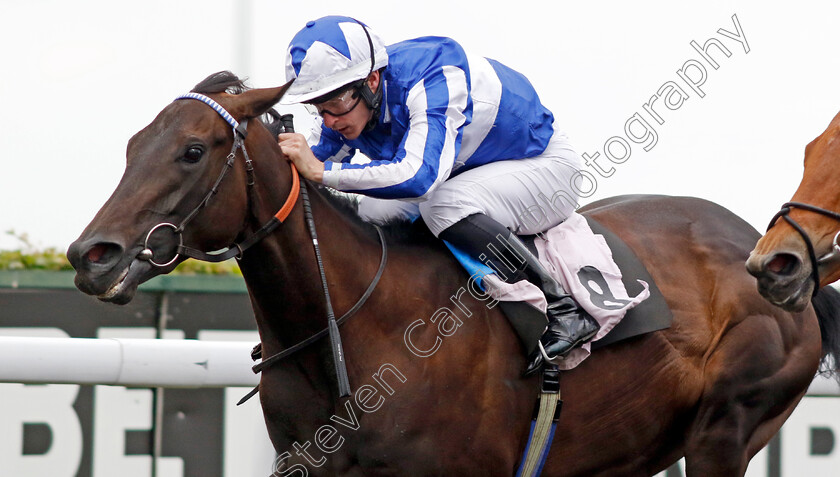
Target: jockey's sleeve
[[427, 152], [328, 145]]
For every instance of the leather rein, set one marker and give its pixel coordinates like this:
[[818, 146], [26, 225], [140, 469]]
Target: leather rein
[[784, 213], [236, 250]]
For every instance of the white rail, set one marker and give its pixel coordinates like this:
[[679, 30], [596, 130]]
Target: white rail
[[155, 363], [126, 362]]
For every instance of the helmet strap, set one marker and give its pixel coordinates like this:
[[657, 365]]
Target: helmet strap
[[372, 99]]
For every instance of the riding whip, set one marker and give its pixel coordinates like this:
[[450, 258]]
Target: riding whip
[[335, 336]]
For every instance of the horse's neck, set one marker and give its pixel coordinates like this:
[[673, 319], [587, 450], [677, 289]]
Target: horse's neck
[[281, 270]]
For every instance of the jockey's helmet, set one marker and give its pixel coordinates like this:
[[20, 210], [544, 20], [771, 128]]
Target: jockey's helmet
[[328, 54]]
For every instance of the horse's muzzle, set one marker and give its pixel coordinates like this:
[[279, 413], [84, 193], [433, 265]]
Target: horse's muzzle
[[783, 278], [103, 269]]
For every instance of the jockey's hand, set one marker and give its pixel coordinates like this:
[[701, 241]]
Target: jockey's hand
[[294, 145]]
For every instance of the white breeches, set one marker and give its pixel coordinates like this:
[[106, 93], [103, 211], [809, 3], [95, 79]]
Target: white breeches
[[527, 196]]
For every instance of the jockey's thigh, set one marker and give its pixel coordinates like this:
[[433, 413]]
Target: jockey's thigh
[[527, 196], [380, 211]]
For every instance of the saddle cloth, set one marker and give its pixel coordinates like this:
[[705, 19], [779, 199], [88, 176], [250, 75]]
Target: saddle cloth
[[583, 263]]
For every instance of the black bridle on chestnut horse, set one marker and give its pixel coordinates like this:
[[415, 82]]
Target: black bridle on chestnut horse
[[784, 213]]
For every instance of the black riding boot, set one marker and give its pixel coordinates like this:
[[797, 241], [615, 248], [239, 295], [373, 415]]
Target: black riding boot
[[569, 326]]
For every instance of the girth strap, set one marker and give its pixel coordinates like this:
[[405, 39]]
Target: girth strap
[[543, 424]]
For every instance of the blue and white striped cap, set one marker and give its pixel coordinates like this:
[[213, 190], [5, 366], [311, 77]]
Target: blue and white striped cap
[[329, 53]]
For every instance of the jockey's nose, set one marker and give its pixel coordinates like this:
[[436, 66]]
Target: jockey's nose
[[329, 120]]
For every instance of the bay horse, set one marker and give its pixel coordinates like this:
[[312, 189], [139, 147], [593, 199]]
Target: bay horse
[[714, 388]]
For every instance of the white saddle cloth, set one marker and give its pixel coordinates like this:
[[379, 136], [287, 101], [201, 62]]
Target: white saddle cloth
[[582, 262]]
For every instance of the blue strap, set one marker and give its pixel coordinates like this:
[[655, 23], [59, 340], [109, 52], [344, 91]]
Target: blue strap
[[543, 452], [543, 424], [527, 448], [216, 107]]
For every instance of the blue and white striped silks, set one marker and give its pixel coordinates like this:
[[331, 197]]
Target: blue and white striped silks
[[442, 113]]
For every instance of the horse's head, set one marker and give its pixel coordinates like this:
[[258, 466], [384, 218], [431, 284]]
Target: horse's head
[[800, 250], [171, 166]]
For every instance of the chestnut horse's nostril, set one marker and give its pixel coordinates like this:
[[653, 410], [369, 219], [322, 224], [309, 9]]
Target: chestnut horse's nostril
[[783, 264], [774, 266]]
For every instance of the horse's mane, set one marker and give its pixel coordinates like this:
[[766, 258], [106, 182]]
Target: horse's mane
[[827, 306], [396, 231]]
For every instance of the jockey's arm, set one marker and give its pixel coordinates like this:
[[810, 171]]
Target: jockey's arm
[[427, 152]]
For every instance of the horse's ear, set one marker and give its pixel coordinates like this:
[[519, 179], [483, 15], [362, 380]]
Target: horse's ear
[[255, 102]]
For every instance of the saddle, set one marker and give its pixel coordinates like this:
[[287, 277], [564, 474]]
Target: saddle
[[598, 269]]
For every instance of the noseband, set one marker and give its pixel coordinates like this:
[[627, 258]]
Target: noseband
[[784, 213], [240, 132]]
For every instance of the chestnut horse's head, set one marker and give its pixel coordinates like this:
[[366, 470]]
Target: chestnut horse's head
[[171, 166], [800, 251]]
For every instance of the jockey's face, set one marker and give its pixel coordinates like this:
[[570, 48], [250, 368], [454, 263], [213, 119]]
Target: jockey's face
[[348, 114]]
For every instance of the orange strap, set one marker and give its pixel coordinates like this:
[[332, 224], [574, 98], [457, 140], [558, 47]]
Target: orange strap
[[284, 211]]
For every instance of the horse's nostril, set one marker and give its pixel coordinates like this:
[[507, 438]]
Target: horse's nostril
[[96, 253], [783, 264], [103, 253]]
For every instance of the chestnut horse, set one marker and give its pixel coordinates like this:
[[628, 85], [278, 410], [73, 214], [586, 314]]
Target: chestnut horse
[[714, 388], [800, 252]]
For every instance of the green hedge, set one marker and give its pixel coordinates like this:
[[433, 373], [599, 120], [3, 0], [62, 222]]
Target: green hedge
[[28, 257]]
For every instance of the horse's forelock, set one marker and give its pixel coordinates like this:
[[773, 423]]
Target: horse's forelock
[[223, 81], [227, 82]]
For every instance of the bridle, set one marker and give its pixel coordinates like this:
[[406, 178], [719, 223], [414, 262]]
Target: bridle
[[240, 133], [236, 250], [784, 213]]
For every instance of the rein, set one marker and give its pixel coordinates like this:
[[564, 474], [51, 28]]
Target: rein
[[784, 213], [277, 357], [237, 249]]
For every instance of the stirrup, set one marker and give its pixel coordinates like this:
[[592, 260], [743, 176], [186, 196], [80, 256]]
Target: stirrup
[[546, 359]]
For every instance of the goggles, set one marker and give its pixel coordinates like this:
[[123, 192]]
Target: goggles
[[341, 104]]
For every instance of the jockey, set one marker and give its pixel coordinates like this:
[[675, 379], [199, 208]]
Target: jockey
[[459, 140]]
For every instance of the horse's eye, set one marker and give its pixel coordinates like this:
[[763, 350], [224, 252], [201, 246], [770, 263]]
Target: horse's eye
[[193, 154]]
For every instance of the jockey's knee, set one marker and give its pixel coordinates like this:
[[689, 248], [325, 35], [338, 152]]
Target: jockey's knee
[[443, 209], [382, 211]]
